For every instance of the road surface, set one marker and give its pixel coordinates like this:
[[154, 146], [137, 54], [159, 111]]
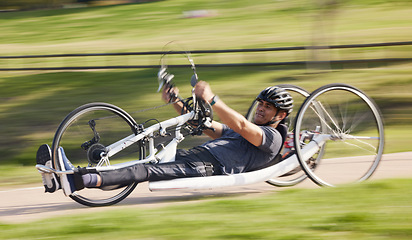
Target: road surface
[[30, 203]]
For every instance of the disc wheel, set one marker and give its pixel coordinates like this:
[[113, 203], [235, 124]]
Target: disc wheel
[[299, 95], [84, 134], [354, 124]]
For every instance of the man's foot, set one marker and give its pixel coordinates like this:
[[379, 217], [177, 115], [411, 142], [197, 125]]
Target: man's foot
[[70, 182], [50, 180]]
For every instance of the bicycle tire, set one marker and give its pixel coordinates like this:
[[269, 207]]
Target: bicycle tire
[[113, 123], [354, 121]]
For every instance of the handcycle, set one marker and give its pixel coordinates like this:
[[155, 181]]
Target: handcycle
[[336, 117]]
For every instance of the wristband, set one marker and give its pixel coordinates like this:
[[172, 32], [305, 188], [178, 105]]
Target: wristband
[[214, 100]]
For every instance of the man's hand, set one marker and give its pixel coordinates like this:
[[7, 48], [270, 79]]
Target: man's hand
[[169, 93], [203, 91]]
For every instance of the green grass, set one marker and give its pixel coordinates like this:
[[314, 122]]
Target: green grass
[[149, 26], [372, 210], [35, 104]]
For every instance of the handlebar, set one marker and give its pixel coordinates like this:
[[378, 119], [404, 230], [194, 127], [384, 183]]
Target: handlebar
[[203, 111], [163, 77]]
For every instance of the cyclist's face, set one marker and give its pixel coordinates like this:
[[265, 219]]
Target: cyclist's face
[[265, 112]]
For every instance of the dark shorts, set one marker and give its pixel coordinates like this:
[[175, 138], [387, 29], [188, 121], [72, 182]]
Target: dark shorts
[[198, 156]]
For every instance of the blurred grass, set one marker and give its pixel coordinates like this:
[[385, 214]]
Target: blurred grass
[[148, 26], [33, 117], [32, 104], [372, 210]]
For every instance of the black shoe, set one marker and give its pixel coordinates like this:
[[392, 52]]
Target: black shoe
[[50, 180]]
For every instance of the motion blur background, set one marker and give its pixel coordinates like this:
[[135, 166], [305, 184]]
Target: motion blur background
[[33, 102]]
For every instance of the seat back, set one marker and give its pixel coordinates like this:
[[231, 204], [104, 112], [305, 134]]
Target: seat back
[[283, 130]]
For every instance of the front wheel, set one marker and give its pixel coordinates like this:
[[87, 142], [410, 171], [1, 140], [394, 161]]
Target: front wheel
[[87, 131], [352, 122]]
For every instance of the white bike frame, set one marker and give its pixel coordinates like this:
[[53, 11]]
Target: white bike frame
[[167, 154]]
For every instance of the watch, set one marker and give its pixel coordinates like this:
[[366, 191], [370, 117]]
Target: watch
[[214, 100]]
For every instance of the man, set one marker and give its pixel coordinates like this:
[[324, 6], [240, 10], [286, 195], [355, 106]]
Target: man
[[237, 145]]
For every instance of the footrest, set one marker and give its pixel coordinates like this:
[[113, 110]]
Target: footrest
[[46, 169]]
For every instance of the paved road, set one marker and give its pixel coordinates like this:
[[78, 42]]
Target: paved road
[[31, 203]]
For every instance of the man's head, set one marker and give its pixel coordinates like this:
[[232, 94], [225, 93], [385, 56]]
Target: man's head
[[274, 105]]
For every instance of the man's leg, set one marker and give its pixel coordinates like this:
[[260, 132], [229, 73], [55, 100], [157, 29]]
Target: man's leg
[[196, 162], [151, 172]]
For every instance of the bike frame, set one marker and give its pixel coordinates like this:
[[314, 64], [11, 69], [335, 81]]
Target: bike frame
[[167, 154]]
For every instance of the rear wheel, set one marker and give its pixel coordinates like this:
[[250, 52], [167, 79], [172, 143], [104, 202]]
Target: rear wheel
[[354, 124], [84, 134]]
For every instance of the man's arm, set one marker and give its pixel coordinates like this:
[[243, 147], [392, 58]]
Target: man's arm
[[230, 117]]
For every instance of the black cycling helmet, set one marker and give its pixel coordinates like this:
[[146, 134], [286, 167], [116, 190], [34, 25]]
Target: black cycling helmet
[[278, 97]]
